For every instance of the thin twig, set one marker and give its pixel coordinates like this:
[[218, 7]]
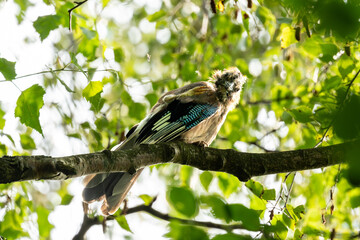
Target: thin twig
[[259, 140], [78, 4], [270, 101], [53, 71], [89, 222], [86, 225], [340, 108]]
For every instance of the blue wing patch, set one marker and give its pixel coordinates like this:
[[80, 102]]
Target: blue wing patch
[[176, 119]]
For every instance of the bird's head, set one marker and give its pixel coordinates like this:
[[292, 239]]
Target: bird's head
[[228, 84]]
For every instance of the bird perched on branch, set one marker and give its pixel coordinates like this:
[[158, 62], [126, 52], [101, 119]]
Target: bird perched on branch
[[192, 114]]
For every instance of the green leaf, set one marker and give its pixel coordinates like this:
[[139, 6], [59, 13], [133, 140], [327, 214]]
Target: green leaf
[[93, 88], [28, 107], [105, 3], [301, 114], [231, 236], [24, 5], [167, 58], [183, 201], [27, 142], [188, 71], [354, 196], [346, 67], [347, 124], [66, 199], [218, 206], [269, 194], [74, 135], [119, 55], [185, 174], [332, 83], [44, 225], [146, 198], [123, 223], [156, 16], [278, 227], [205, 179], [185, 232], [287, 37], [228, 183], [90, 34], [248, 217], [43, 25], [256, 187], [328, 52], [7, 69], [152, 98], [12, 229], [137, 110], [257, 203], [2, 119], [97, 102], [126, 98]]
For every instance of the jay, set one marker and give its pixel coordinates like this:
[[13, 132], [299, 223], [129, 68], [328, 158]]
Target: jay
[[192, 114]]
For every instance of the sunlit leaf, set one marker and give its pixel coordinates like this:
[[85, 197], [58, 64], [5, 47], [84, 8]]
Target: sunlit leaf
[[44, 24], [269, 194], [28, 106], [228, 183], [287, 37], [44, 225], [66, 199], [255, 187], [27, 142], [2, 120], [119, 55], [156, 16], [146, 198], [220, 6], [185, 174], [205, 179], [7, 69], [24, 5], [346, 67], [123, 223], [93, 88]]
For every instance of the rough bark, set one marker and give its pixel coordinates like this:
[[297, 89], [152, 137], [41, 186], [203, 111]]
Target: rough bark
[[242, 165]]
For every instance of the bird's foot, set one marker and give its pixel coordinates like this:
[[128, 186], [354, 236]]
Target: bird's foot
[[200, 144]]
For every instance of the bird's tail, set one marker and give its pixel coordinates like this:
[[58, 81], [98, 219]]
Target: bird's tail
[[111, 188]]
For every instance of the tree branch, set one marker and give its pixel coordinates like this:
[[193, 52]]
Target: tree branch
[[88, 222], [166, 217], [242, 165], [78, 4]]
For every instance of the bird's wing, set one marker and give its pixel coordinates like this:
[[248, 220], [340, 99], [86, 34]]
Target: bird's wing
[[176, 118]]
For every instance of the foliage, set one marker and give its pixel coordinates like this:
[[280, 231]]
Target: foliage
[[301, 59]]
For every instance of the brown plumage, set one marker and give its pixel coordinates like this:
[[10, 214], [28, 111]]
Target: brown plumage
[[193, 114]]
